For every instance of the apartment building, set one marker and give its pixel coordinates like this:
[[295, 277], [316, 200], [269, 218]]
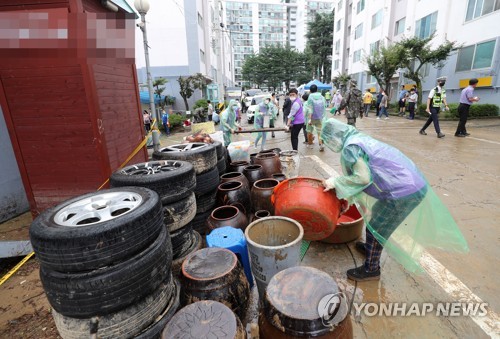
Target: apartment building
[[361, 26]]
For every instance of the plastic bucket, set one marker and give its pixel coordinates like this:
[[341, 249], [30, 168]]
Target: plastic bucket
[[274, 245], [290, 162]]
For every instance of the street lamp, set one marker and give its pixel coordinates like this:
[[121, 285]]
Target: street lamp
[[142, 7]]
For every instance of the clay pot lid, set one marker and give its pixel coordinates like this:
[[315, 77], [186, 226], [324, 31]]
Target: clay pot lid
[[209, 264], [202, 319], [292, 299]]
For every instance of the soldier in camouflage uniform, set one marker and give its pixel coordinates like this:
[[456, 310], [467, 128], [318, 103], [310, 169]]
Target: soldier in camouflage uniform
[[353, 104]]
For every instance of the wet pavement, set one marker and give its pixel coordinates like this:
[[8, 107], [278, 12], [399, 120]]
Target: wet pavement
[[464, 172]]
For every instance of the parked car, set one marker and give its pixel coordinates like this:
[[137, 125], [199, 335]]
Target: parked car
[[249, 94], [254, 106]]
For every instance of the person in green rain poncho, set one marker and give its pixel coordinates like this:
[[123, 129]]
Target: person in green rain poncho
[[272, 110], [401, 211], [263, 109], [228, 121]]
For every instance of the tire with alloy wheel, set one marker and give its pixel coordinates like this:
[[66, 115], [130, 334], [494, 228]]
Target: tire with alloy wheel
[[207, 182], [97, 229], [178, 214], [202, 156], [172, 180], [125, 323], [112, 288]]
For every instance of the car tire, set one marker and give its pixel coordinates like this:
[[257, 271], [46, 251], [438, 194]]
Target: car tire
[[221, 165], [172, 180], [205, 202], [181, 238], [199, 223], [125, 323], [179, 213], [61, 244], [155, 329], [202, 156], [220, 149], [196, 244], [112, 288], [207, 182]]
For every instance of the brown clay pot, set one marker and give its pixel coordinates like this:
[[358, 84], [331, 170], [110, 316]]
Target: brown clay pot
[[270, 163], [204, 319], [234, 193], [235, 176], [238, 166], [215, 274], [271, 150], [279, 176], [262, 191], [252, 157], [227, 216], [261, 214], [291, 306], [253, 173]]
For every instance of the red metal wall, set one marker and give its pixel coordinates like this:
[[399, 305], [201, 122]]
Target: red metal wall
[[72, 120]]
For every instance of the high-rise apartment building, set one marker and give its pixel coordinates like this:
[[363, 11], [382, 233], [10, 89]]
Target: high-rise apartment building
[[362, 26]]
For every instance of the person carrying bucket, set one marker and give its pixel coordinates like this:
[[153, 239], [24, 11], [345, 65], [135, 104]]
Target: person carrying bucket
[[228, 121], [401, 211]]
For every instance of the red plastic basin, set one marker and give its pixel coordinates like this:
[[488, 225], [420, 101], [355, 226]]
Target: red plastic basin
[[303, 200]]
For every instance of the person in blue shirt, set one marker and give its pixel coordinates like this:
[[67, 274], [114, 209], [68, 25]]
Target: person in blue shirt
[[402, 100], [165, 122]]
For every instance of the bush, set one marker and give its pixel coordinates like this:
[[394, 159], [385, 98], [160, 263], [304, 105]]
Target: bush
[[476, 110], [200, 103]]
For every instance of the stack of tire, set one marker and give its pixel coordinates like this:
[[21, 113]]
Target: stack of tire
[[105, 261], [175, 183], [209, 161]]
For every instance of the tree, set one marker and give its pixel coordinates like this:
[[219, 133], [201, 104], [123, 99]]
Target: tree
[[418, 53], [383, 63], [341, 81], [159, 90], [189, 84], [320, 42]]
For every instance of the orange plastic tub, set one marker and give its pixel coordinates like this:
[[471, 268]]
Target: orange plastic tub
[[349, 227], [303, 200]]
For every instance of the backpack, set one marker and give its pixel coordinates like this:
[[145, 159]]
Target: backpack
[[318, 108]]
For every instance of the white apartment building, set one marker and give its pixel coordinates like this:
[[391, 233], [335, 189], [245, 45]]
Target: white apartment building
[[363, 25]]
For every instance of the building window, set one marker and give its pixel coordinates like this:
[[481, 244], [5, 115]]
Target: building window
[[339, 25], [360, 6], [202, 56], [340, 4], [400, 26], [377, 19], [374, 47], [358, 32], [370, 79], [200, 20], [426, 26], [337, 46], [476, 56], [356, 57], [477, 8], [336, 64]]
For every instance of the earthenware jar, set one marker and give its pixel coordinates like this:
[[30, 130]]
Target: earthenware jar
[[262, 191], [279, 176], [215, 274], [253, 173], [234, 192], [238, 166], [261, 214], [270, 163], [252, 157], [226, 216], [235, 176]]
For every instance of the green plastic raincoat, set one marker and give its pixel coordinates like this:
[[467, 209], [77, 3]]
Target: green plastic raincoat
[[228, 121], [398, 205]]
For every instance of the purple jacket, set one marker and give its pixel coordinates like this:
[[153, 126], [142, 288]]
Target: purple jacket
[[297, 116], [393, 174]]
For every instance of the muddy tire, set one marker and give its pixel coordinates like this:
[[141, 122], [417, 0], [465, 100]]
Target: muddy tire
[[219, 147], [69, 238], [155, 329], [181, 238], [178, 214], [172, 180], [196, 243], [202, 156], [205, 202], [207, 182], [112, 288], [199, 223], [221, 165], [125, 323]]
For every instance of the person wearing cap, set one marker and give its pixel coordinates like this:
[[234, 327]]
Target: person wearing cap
[[467, 98], [437, 96], [337, 100], [353, 103]]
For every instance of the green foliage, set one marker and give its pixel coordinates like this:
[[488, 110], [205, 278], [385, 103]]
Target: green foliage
[[320, 42], [201, 103], [175, 120], [159, 90], [189, 84], [169, 100], [341, 81], [418, 53], [475, 111], [384, 63]]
